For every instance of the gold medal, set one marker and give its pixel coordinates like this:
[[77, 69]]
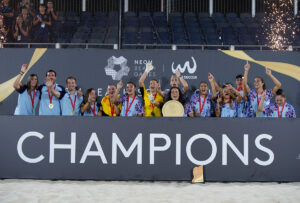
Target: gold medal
[[73, 112], [51, 106], [257, 113]]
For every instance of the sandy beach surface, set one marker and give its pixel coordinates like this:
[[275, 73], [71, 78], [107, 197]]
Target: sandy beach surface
[[32, 191]]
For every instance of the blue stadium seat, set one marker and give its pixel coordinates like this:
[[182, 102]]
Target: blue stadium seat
[[144, 14], [146, 38], [163, 38], [203, 15]]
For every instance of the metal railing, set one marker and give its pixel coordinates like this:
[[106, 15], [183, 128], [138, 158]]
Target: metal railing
[[102, 5], [147, 5], [237, 6], [223, 6], [189, 6], [144, 46]]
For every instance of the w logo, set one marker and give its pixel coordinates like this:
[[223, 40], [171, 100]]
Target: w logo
[[187, 66]]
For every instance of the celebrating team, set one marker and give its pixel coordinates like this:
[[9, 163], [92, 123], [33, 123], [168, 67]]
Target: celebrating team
[[225, 101]]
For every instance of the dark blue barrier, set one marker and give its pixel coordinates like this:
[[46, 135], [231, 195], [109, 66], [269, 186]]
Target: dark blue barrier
[[107, 148]]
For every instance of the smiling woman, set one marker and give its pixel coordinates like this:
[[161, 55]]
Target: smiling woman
[[28, 93]]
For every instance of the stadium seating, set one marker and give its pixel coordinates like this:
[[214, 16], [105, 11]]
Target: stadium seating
[[182, 29]]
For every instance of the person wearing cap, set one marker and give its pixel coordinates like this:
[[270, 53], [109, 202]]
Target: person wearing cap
[[50, 95], [70, 103], [132, 105], [279, 109], [152, 99]]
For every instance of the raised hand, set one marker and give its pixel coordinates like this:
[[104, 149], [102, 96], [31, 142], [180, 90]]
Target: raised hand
[[24, 68], [178, 73], [79, 93], [247, 66], [210, 77], [120, 84], [149, 67], [268, 71], [158, 86], [229, 86], [49, 83]]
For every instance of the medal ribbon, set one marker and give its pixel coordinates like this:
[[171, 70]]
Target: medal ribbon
[[50, 97], [32, 96], [203, 103], [280, 115], [73, 104], [112, 109], [257, 98], [127, 108], [93, 109], [240, 87]]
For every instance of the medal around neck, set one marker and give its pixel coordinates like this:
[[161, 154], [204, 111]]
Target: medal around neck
[[51, 106], [173, 109]]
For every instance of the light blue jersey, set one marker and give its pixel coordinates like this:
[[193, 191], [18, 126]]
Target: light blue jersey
[[133, 108], [45, 101], [67, 102], [93, 111], [204, 107], [24, 106], [227, 111], [254, 99]]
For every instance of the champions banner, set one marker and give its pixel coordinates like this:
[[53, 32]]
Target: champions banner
[[96, 68], [105, 148]]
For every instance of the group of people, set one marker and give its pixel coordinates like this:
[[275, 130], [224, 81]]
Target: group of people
[[24, 24], [225, 101]]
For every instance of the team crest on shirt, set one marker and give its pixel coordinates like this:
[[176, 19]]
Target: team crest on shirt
[[110, 69]]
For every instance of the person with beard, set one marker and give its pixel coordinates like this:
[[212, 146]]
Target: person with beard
[[202, 102], [254, 95], [28, 93], [132, 105], [152, 100], [50, 95], [90, 106], [279, 109], [109, 108], [227, 102], [70, 103], [176, 95]]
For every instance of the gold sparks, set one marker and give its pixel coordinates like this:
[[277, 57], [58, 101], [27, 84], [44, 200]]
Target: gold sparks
[[278, 24]]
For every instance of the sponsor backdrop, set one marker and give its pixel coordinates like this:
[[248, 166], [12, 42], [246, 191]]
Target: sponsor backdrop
[[98, 68], [128, 149]]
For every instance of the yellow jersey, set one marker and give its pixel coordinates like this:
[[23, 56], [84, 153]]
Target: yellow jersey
[[150, 109], [107, 106]]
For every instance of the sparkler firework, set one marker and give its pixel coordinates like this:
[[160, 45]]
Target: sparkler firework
[[278, 25]]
